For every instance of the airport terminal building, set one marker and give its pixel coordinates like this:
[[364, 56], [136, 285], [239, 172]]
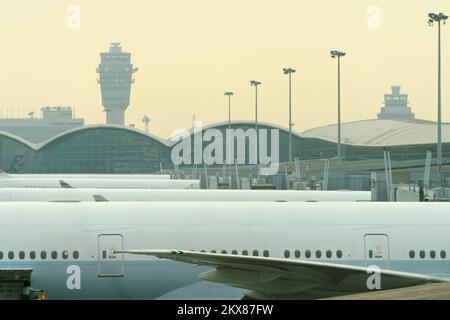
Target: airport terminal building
[[113, 148], [119, 149]]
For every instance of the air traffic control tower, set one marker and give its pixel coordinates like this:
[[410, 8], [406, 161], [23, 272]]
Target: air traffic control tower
[[115, 72]]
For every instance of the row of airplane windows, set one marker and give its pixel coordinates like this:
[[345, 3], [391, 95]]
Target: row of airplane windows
[[287, 253], [43, 255], [265, 253], [423, 254]]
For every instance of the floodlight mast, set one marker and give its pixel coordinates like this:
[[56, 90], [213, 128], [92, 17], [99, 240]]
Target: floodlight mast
[[338, 55], [432, 18], [255, 84], [290, 71], [229, 94]]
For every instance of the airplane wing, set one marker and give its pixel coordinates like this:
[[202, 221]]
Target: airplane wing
[[275, 278]]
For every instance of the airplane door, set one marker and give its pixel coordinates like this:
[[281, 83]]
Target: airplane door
[[377, 250], [109, 264]]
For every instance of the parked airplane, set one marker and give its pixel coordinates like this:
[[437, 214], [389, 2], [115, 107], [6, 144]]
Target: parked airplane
[[81, 194], [265, 250], [90, 176], [131, 183]]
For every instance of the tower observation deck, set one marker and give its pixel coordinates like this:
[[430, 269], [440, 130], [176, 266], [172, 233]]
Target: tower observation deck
[[396, 106], [115, 80]]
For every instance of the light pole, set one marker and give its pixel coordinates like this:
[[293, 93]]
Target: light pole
[[229, 94], [338, 55], [290, 71], [256, 84], [438, 17]]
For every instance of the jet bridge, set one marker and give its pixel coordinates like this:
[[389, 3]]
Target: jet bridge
[[15, 285]]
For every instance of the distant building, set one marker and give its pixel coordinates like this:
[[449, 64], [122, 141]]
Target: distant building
[[115, 72], [55, 120], [396, 106]]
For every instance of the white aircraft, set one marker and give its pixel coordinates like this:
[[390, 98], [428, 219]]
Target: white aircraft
[[259, 250], [89, 176], [81, 194], [7, 181]]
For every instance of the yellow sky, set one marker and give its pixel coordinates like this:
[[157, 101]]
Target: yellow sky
[[190, 51]]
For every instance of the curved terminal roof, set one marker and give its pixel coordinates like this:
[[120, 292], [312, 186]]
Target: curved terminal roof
[[20, 140], [380, 133], [38, 146], [374, 133], [236, 123]]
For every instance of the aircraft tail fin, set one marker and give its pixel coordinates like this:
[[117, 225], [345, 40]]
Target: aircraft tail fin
[[64, 184], [100, 198], [3, 174]]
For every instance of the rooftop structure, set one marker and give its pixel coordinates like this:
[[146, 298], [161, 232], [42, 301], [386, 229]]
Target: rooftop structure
[[396, 106], [55, 120]]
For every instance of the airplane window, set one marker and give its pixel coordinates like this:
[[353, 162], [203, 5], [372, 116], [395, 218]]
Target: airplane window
[[287, 253], [308, 254], [432, 254], [223, 251], [443, 254], [213, 251], [11, 255], [1, 255], [244, 252], [21, 255], [65, 254], [43, 255], [339, 254], [234, 252], [422, 254], [297, 253], [318, 254], [266, 253], [54, 254], [412, 254], [202, 250], [329, 254], [76, 254], [255, 253], [32, 255]]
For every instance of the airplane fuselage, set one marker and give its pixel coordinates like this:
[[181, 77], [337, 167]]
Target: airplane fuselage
[[72, 243]]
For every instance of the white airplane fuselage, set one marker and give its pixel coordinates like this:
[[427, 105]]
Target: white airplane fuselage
[[78, 239], [13, 182], [90, 194], [90, 176]]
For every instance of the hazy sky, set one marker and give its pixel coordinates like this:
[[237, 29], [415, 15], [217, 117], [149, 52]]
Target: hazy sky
[[190, 51]]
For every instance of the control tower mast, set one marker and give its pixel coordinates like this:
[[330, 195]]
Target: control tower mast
[[115, 72]]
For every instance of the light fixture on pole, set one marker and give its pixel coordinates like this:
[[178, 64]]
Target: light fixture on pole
[[229, 94], [255, 84], [338, 55], [290, 71], [432, 18]]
